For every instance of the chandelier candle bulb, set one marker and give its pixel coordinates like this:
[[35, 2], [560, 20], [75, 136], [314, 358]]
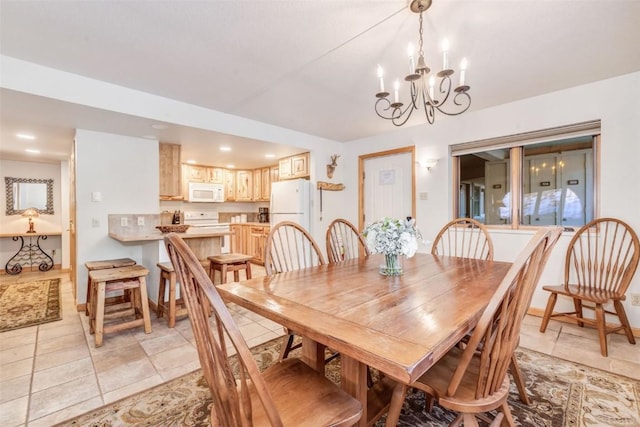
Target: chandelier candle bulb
[[396, 88], [463, 70], [432, 82], [445, 54], [381, 75], [412, 65]]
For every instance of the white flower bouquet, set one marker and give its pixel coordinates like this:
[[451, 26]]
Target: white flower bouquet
[[392, 237]]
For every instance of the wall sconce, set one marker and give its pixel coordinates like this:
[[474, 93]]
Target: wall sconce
[[428, 163], [30, 213]]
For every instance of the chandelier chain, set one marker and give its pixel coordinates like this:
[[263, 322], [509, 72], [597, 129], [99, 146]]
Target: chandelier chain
[[421, 52]]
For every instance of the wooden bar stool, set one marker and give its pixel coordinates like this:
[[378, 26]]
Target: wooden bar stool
[[176, 307], [103, 265], [225, 263], [131, 280]]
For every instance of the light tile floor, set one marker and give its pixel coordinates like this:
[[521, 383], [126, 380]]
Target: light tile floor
[[52, 372]]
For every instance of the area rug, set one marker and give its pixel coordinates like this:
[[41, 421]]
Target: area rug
[[30, 303], [564, 394]]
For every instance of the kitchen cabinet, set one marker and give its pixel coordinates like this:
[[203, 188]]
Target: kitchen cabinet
[[239, 238], [215, 175], [274, 175], [194, 173], [230, 185], [257, 239], [265, 188], [294, 167], [262, 184], [284, 166], [170, 172], [257, 185], [244, 186], [249, 239]]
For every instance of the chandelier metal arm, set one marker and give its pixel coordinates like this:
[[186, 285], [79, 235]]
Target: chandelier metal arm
[[388, 111]]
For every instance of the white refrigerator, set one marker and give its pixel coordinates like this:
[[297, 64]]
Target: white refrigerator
[[291, 201]]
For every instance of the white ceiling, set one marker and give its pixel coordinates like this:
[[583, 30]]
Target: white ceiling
[[303, 65]]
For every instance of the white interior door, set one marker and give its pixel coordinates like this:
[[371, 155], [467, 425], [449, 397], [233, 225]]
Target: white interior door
[[388, 185]]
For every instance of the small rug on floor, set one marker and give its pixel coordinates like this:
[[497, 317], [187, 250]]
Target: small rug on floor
[[564, 394], [30, 303]]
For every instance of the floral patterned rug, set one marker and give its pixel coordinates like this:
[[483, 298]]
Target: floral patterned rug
[[29, 303], [564, 394]]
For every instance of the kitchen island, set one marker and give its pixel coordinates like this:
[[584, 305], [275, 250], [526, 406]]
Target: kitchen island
[[145, 244], [203, 245]]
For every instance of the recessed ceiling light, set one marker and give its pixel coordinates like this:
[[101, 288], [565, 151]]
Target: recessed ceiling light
[[159, 126], [25, 136], [269, 156], [231, 166], [225, 148], [191, 162], [32, 151]]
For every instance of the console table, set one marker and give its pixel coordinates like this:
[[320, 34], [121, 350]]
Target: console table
[[30, 253]]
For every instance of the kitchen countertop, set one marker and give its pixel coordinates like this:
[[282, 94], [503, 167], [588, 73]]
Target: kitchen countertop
[[160, 236], [252, 224]]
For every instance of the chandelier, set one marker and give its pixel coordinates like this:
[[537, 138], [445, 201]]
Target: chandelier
[[432, 95]]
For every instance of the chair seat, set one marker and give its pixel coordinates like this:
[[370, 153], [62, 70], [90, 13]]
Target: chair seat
[[230, 258], [591, 295], [109, 263], [436, 381], [305, 398]]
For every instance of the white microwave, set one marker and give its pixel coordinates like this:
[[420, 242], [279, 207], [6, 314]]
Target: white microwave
[[204, 192]]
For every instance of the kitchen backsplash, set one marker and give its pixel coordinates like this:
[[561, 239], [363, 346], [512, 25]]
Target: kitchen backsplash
[[228, 216], [133, 224]]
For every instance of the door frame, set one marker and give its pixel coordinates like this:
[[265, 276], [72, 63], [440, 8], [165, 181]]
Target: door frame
[[361, 159]]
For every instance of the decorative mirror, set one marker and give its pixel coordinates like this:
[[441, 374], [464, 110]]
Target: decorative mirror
[[25, 193]]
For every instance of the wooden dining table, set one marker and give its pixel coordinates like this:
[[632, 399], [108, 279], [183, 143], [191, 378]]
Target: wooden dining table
[[398, 325]]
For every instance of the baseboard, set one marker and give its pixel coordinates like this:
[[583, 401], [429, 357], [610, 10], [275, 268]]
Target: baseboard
[[538, 312]]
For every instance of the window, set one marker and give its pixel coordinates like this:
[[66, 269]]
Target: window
[[534, 179]]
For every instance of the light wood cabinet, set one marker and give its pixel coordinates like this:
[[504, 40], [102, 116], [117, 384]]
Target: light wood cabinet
[[195, 173], [244, 186], [257, 240], [275, 175], [249, 239], [257, 184], [230, 185], [294, 167], [284, 166], [262, 184], [300, 165], [170, 172], [215, 175], [265, 188], [239, 239]]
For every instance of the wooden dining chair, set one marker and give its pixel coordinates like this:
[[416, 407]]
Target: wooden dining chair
[[468, 238], [600, 261], [290, 247], [465, 238], [344, 242], [474, 380], [251, 398]]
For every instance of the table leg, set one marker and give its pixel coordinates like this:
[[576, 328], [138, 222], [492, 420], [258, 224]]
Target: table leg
[[313, 354], [353, 376]]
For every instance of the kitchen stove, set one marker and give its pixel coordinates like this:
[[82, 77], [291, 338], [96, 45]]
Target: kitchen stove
[[207, 222]]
